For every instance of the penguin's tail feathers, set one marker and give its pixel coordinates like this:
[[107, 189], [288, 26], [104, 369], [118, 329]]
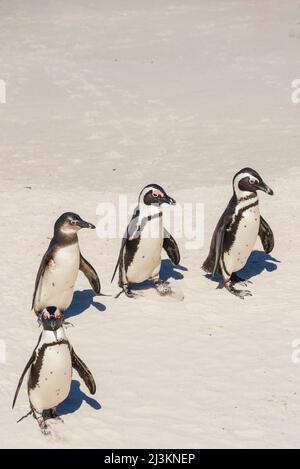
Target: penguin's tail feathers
[[207, 266]]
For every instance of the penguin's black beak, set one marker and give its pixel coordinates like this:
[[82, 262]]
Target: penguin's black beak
[[262, 186], [167, 200], [85, 224]]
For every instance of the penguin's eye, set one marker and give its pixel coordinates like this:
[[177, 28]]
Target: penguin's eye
[[155, 194], [252, 180], [73, 222]]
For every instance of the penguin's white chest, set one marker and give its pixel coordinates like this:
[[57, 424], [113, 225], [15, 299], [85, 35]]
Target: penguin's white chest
[[245, 238], [147, 258], [54, 380], [57, 284]]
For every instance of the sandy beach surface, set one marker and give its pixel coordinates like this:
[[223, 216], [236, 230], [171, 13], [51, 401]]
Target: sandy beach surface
[[103, 98]]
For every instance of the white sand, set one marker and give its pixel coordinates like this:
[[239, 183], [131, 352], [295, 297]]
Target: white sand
[[183, 94]]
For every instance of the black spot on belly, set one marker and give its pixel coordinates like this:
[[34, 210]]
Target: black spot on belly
[[53, 284]]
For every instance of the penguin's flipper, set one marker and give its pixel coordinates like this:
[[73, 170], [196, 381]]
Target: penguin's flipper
[[28, 365], [43, 266], [211, 264], [83, 372], [124, 241], [219, 247], [171, 248], [90, 274], [266, 235], [127, 236]]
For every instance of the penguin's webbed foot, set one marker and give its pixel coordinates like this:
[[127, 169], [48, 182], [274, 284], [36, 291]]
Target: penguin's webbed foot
[[237, 279], [128, 292], [43, 425], [239, 293], [52, 414], [163, 288]]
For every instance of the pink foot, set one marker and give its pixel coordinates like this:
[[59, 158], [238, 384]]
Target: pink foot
[[57, 313], [46, 314]]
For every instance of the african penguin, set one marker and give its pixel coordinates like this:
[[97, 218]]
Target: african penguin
[[140, 253], [50, 370], [237, 231], [60, 264]]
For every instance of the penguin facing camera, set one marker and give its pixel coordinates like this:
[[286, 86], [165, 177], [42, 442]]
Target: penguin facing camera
[[50, 370]]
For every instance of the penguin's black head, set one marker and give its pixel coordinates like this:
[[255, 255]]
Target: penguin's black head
[[70, 223], [153, 194], [248, 180], [50, 320]]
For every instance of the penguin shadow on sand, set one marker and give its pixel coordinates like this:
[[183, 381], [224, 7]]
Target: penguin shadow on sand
[[74, 400], [82, 300], [256, 264], [167, 272]]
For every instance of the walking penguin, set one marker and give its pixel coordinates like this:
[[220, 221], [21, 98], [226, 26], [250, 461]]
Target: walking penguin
[[237, 230], [50, 370], [140, 253], [60, 265]]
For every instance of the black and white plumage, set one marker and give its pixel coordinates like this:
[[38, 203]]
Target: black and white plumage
[[140, 254], [50, 370], [60, 264], [237, 230]]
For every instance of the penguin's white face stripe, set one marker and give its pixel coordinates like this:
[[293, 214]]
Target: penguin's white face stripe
[[238, 178], [144, 192], [236, 181]]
